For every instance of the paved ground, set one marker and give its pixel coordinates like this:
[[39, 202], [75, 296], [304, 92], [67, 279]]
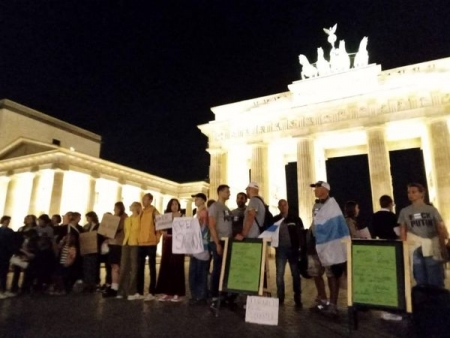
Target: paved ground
[[88, 315]]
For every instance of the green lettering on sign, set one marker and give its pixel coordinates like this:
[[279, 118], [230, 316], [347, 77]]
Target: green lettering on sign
[[374, 270], [245, 266]]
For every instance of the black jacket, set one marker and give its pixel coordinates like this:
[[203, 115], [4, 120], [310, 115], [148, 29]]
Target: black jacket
[[295, 231]]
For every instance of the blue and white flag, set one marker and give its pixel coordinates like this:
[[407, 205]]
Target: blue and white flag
[[272, 233], [330, 231]]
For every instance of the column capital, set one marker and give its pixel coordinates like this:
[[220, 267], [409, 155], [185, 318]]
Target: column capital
[[258, 145], [216, 151]]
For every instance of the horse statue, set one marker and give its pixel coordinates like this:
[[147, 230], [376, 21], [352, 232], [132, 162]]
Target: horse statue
[[362, 57], [344, 58], [323, 66], [331, 35], [308, 70]]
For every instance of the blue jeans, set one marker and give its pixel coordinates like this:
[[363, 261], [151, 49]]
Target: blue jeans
[[198, 278], [217, 267], [287, 255], [427, 270]]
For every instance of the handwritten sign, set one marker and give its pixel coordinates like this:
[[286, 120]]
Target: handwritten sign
[[262, 310], [108, 225], [375, 274], [88, 243], [164, 221], [244, 266], [186, 236]]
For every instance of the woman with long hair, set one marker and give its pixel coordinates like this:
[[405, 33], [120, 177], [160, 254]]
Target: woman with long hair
[[115, 251], [357, 230], [171, 272]]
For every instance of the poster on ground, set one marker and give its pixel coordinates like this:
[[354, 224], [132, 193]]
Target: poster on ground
[[262, 310]]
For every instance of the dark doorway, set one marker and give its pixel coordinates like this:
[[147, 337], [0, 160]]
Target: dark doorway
[[292, 187], [407, 166], [350, 180]]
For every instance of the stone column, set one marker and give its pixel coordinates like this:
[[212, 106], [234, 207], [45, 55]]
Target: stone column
[[259, 170], [10, 197], [189, 207], [439, 138], [119, 197], [305, 176], [32, 209], [379, 165], [57, 190], [92, 192], [217, 171]]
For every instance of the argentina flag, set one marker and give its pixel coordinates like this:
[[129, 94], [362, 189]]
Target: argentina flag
[[330, 232]]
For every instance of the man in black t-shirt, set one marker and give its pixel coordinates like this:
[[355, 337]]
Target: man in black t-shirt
[[384, 222], [239, 213]]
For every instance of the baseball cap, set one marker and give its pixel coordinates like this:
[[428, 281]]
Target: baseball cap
[[320, 184], [253, 185], [200, 195]]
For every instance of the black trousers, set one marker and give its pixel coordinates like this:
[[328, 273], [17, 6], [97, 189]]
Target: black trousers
[[143, 253]]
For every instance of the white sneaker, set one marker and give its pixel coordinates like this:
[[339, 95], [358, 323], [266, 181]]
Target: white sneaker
[[119, 297], [3, 296], [176, 299], [148, 298], [136, 296], [391, 316], [10, 294]]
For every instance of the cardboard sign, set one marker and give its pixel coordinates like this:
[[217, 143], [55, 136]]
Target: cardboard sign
[[108, 226], [163, 222], [88, 243], [186, 236], [262, 310]]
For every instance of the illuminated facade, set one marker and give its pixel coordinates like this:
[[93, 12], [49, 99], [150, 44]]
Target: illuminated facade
[[50, 166], [361, 110]]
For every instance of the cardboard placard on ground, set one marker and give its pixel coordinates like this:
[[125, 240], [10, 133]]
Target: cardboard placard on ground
[[262, 310], [186, 236], [163, 222], [88, 243], [108, 225]]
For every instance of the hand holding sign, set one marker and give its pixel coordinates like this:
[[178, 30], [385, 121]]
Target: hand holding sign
[[186, 236]]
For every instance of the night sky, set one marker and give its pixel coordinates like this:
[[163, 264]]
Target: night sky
[[144, 75]]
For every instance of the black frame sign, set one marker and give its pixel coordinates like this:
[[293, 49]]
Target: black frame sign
[[378, 274], [243, 266]]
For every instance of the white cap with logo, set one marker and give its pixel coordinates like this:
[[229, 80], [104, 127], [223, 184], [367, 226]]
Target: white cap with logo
[[253, 185]]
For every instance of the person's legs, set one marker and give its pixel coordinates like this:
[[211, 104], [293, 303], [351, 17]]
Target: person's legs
[[142, 254], [15, 279], [133, 259], [435, 271], [419, 267], [296, 281], [193, 286], [203, 279], [4, 266], [215, 276], [316, 270], [124, 271], [152, 269], [280, 261]]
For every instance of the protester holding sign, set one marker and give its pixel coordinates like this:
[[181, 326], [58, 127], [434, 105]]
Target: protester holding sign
[[171, 272], [91, 267], [148, 239], [115, 250], [199, 263], [129, 260], [219, 226], [288, 250], [423, 227]]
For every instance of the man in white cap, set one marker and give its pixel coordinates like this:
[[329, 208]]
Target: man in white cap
[[254, 213], [326, 251]]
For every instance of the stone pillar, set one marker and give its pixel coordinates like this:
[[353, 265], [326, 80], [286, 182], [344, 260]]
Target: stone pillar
[[57, 190], [379, 165], [32, 209], [10, 196], [305, 176], [439, 138], [119, 197], [92, 192], [217, 171], [259, 170], [189, 208]]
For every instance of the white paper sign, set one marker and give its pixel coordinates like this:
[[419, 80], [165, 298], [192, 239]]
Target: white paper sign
[[186, 236], [262, 310], [108, 226], [163, 221]]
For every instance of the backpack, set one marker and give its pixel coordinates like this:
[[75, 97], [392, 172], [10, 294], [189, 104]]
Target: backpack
[[268, 217]]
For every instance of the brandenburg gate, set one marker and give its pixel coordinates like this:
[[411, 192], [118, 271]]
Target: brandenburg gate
[[341, 106]]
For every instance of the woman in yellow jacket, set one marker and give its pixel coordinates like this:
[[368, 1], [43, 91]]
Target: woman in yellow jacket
[[129, 259]]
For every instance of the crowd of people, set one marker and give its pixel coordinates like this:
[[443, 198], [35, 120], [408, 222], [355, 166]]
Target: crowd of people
[[46, 251]]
